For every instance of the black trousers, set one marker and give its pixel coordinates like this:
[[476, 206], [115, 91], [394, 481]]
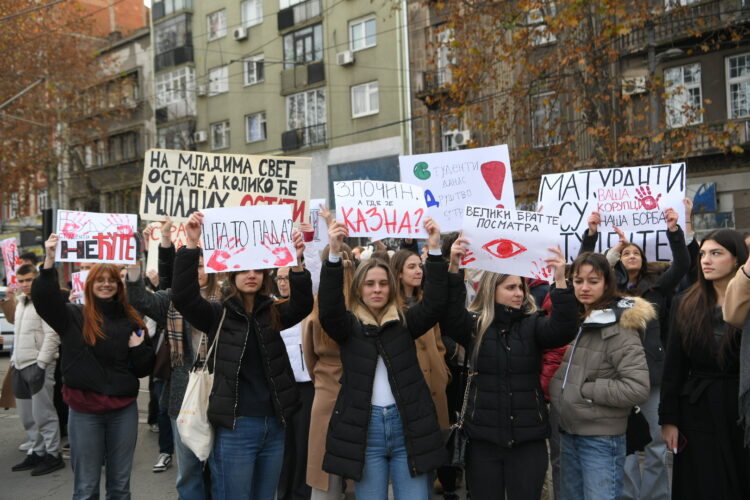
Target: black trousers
[[292, 483], [518, 471]]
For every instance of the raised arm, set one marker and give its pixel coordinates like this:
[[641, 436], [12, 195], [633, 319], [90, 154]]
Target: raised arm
[[300, 303], [561, 326], [591, 235], [336, 321], [670, 278], [154, 305], [45, 291], [166, 255], [456, 322]]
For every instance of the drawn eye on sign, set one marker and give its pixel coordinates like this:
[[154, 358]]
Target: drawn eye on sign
[[503, 249]]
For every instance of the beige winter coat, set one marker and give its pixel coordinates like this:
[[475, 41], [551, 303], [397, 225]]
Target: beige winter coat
[[323, 360], [33, 339], [604, 372], [431, 358], [737, 300]]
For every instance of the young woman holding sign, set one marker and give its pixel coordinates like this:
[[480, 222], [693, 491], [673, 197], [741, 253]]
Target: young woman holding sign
[[636, 278], [506, 418], [700, 390], [384, 423], [254, 393], [105, 350], [602, 376]]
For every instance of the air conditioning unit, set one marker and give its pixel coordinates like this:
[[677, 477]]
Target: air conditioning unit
[[240, 33], [461, 137], [345, 58], [200, 90], [200, 136], [634, 85]]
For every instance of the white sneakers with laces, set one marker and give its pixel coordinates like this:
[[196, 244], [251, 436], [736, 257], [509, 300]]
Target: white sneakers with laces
[[163, 463]]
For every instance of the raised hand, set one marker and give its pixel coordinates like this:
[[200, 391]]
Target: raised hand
[[458, 252], [433, 232], [326, 213], [672, 219], [193, 229], [299, 242], [623, 240], [336, 233], [166, 232], [593, 221], [557, 261], [50, 247]]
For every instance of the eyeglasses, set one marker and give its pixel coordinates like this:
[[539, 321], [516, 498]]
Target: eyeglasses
[[280, 278]]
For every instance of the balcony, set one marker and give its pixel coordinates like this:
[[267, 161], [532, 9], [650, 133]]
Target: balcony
[[298, 14], [299, 138], [301, 76], [429, 86], [174, 57]]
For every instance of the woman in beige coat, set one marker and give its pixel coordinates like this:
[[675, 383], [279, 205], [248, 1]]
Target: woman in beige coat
[[322, 357]]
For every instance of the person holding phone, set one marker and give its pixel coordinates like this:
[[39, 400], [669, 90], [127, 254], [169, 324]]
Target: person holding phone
[[700, 389], [104, 352]]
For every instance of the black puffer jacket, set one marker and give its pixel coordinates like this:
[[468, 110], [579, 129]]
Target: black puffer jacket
[[361, 341], [506, 402], [205, 316], [110, 367], [659, 291]]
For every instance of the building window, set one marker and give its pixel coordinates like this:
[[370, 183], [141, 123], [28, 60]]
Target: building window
[[178, 136], [303, 46], [545, 119], [218, 80], [42, 198], [738, 85], [11, 206], [365, 99], [173, 33], [220, 135], [254, 70], [362, 33], [171, 6], [444, 58], [540, 33], [283, 4], [252, 12], [217, 24], [306, 111], [255, 127], [100, 151], [123, 147], [683, 87], [88, 150], [173, 87]]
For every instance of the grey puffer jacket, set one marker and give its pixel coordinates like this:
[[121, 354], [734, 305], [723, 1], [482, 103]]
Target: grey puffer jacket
[[604, 371]]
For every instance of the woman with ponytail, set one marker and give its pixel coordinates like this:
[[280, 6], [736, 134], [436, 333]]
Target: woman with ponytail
[[104, 351]]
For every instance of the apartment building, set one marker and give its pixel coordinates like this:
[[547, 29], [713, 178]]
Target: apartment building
[[325, 79]]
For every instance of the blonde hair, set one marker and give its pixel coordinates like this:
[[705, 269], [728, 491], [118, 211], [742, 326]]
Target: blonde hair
[[484, 305]]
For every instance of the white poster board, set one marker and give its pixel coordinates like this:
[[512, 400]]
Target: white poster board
[[453, 179], [178, 237], [242, 238], [509, 241], [314, 248], [631, 198], [9, 249], [96, 237], [380, 209], [78, 280]]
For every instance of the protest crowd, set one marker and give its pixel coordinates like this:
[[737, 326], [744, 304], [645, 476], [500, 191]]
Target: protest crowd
[[294, 363]]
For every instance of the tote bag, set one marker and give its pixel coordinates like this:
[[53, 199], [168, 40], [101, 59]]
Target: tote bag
[[192, 422]]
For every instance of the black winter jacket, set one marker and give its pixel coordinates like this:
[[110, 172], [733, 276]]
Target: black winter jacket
[[659, 291], [506, 402], [205, 316], [110, 367], [361, 341]]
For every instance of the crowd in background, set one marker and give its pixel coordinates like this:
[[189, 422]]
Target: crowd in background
[[591, 387]]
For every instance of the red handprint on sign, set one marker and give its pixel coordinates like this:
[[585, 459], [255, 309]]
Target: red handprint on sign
[[122, 224], [283, 256], [73, 224], [467, 258], [541, 271], [220, 257], [646, 199]]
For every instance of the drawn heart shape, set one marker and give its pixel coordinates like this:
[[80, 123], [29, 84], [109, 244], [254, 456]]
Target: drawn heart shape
[[494, 175]]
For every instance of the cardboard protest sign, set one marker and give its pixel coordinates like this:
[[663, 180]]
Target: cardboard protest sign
[[9, 249], [177, 183], [178, 237], [454, 179], [241, 238], [631, 198], [509, 241], [95, 237], [380, 209], [78, 280]]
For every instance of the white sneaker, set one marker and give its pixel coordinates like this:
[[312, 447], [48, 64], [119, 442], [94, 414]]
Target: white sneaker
[[25, 447], [163, 463]]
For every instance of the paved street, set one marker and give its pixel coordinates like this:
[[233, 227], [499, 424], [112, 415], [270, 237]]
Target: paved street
[[59, 485]]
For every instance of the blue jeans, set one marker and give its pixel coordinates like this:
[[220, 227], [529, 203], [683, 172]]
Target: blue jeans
[[190, 484], [166, 442], [591, 467], [386, 455], [246, 462], [96, 437]]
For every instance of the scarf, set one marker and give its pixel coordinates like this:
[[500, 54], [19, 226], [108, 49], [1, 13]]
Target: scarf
[[176, 334]]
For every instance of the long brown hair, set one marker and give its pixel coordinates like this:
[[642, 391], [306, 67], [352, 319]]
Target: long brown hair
[[694, 316], [92, 316], [600, 266], [398, 261]]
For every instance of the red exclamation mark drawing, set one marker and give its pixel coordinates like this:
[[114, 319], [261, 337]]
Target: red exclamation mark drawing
[[494, 175]]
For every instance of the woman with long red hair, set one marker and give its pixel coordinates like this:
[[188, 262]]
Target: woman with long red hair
[[104, 351]]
